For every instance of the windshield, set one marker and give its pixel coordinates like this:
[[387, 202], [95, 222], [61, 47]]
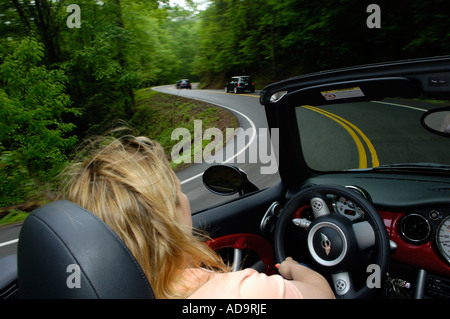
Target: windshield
[[369, 134]]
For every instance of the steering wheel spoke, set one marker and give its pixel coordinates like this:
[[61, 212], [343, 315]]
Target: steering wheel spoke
[[343, 285], [319, 206], [364, 234], [237, 259]]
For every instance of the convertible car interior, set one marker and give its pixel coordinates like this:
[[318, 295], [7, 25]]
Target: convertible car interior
[[363, 159]]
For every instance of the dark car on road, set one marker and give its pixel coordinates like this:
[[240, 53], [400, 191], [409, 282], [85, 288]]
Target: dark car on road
[[239, 84], [184, 84]]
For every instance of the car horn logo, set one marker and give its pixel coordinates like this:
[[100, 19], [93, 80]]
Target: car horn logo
[[326, 244]]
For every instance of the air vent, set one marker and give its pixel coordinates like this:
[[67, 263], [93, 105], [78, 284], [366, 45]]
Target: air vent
[[415, 228]]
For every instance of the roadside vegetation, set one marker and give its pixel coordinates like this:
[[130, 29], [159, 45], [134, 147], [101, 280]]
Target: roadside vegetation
[[155, 115], [59, 85], [275, 39]]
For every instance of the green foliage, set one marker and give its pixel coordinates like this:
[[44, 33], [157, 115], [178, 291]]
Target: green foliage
[[33, 135], [154, 117], [59, 84], [14, 216], [276, 39]]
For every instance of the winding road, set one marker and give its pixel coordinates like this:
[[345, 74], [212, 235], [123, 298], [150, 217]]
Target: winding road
[[369, 134], [359, 136], [252, 119]]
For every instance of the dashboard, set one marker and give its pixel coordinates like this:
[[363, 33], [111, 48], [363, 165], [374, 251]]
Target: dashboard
[[416, 212], [421, 236]]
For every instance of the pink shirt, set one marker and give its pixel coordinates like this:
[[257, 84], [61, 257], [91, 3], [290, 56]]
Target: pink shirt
[[243, 284]]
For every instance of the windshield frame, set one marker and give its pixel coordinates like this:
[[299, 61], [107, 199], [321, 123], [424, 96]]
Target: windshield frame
[[405, 79]]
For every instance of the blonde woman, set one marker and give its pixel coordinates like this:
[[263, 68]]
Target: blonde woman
[[129, 184]]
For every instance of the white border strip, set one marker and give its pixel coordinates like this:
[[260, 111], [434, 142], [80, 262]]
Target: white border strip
[[253, 126], [6, 243], [401, 105]]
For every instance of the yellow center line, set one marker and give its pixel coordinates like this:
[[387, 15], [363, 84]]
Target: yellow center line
[[359, 145], [351, 129]]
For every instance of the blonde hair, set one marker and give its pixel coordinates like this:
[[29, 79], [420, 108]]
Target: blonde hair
[[129, 184]]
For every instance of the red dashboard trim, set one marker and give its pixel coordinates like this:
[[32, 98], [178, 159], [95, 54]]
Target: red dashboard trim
[[421, 256]]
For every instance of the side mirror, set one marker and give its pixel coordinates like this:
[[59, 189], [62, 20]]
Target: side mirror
[[227, 180], [437, 121]]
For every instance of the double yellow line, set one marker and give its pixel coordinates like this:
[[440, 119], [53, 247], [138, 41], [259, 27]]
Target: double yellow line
[[356, 135], [354, 132]]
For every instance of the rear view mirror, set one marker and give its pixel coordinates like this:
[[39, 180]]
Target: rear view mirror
[[227, 180], [437, 121]]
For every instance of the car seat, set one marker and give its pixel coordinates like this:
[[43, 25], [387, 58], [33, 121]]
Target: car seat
[[65, 251]]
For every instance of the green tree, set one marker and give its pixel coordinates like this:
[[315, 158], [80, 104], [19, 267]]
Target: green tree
[[276, 39], [86, 76], [34, 138], [431, 27], [43, 18]]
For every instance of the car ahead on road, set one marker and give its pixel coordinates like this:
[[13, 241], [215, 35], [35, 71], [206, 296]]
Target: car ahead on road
[[240, 84], [183, 84], [363, 197]]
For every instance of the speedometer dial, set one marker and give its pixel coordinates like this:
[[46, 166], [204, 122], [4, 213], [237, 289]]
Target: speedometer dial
[[347, 208], [443, 238]]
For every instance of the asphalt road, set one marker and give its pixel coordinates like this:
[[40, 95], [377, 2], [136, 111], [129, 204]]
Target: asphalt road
[[252, 120], [369, 134], [8, 240]]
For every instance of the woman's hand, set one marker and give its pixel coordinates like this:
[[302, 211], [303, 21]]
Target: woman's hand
[[285, 268], [310, 283]]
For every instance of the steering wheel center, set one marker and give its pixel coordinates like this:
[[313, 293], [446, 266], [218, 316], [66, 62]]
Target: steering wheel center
[[327, 243]]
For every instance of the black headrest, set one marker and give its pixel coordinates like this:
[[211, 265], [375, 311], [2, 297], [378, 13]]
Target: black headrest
[[65, 251]]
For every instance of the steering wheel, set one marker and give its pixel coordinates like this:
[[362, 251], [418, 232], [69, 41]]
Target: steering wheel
[[335, 243]]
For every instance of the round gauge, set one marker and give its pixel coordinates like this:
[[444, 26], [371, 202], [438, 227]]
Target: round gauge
[[347, 208], [443, 238]]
